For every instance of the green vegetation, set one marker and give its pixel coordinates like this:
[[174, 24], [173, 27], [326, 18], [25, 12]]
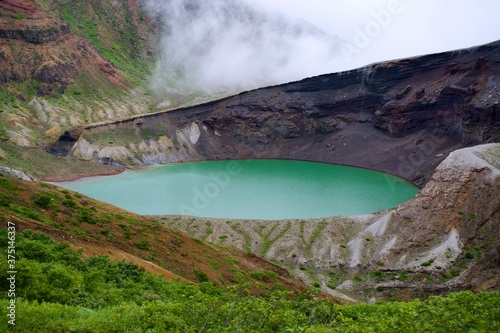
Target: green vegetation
[[44, 199], [143, 245], [201, 276], [118, 40], [126, 231], [316, 233], [378, 275], [264, 275], [59, 292], [19, 16], [428, 263], [266, 236], [403, 276], [236, 228], [232, 261]]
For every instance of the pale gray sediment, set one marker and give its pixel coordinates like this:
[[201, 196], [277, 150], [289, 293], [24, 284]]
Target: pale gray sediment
[[426, 234]]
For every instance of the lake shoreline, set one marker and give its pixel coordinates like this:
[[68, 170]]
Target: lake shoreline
[[274, 189], [112, 171]]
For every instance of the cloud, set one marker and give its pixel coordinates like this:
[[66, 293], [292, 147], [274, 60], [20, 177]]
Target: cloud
[[222, 45], [226, 44]]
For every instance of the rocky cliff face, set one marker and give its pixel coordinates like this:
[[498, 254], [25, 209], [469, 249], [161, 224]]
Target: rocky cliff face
[[400, 116], [40, 45], [446, 238], [68, 63]]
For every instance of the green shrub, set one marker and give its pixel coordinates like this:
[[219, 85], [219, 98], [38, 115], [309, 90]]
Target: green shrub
[[127, 234], [142, 244], [44, 200], [215, 265], [70, 203], [265, 275], [428, 263], [232, 261], [201, 276], [85, 215], [27, 212], [377, 274], [19, 16], [5, 200]]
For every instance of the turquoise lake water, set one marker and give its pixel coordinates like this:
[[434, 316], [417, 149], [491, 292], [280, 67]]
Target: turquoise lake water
[[249, 189]]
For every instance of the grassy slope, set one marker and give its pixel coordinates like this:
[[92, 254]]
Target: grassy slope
[[102, 229], [41, 165], [117, 31], [114, 29], [59, 289], [120, 33]]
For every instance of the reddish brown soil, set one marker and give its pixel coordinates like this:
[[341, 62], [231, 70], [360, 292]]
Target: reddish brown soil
[[168, 252]]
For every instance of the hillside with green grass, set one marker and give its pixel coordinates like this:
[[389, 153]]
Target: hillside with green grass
[[57, 291], [102, 229], [82, 265], [119, 31]]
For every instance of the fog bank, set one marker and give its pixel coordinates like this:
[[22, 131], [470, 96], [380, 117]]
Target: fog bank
[[227, 44], [221, 45]]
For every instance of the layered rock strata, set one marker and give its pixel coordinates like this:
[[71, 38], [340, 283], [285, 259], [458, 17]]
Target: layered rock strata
[[401, 116], [39, 45]]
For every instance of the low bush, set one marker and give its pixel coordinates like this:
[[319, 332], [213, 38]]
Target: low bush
[[57, 291]]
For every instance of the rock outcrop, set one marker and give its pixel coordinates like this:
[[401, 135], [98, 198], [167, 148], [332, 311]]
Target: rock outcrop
[[10, 172], [39, 45], [401, 117], [62, 64]]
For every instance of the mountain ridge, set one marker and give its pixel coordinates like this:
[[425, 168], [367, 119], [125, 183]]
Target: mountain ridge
[[413, 112]]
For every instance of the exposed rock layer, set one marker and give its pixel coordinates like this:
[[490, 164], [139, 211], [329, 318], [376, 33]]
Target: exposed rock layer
[[68, 63], [40, 45], [400, 116]]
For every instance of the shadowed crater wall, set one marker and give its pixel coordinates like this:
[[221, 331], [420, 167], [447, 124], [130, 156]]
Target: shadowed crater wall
[[401, 117]]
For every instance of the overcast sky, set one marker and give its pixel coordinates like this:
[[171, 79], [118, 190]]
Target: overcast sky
[[220, 47], [413, 27]]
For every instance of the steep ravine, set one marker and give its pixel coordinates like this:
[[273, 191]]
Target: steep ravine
[[401, 117]]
